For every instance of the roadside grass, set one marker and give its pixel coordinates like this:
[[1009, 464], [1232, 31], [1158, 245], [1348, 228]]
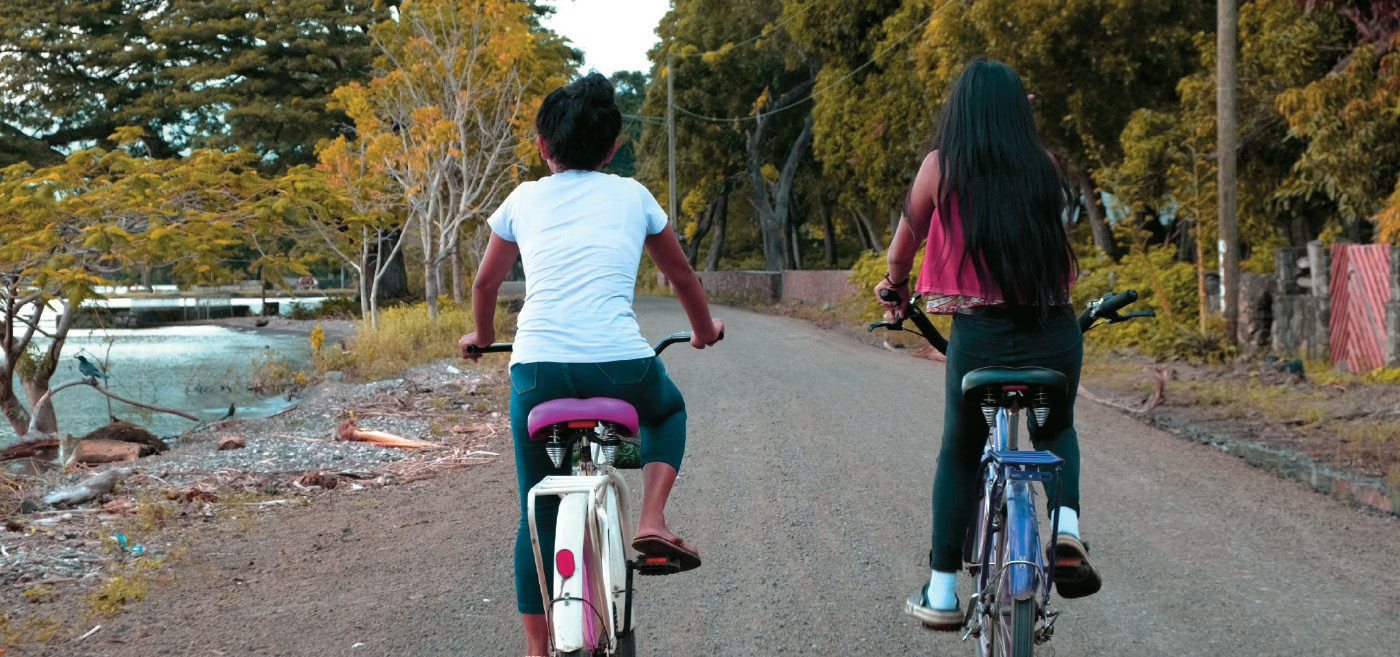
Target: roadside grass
[[405, 338], [1253, 399]]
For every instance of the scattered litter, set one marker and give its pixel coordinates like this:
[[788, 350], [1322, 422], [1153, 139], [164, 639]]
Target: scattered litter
[[90, 633], [132, 549], [358, 645]]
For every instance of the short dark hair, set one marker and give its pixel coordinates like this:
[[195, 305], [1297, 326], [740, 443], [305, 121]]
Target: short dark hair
[[580, 122]]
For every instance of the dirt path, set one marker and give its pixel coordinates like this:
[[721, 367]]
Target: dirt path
[[806, 488]]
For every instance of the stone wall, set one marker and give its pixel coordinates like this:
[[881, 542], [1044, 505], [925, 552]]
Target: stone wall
[[760, 286], [817, 287]]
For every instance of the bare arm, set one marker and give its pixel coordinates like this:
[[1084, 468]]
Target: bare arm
[[495, 265], [910, 234], [666, 252]]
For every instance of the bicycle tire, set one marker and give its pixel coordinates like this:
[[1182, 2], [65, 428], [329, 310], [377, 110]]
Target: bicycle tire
[[1023, 628]]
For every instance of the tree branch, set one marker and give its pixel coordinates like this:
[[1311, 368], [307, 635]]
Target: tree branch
[[34, 417]]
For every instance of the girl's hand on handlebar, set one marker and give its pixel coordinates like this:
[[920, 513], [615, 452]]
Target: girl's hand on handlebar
[[894, 308], [701, 339], [476, 339]]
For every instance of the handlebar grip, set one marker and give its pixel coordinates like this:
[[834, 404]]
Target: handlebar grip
[[1111, 305], [889, 295], [497, 348]]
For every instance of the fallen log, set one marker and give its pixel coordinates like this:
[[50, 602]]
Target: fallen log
[[348, 432], [88, 489], [129, 433]]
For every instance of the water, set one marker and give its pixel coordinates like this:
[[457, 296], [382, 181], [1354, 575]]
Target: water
[[196, 369]]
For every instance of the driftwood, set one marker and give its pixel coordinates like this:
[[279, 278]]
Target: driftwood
[[123, 431], [43, 448], [92, 452], [88, 489], [347, 431]]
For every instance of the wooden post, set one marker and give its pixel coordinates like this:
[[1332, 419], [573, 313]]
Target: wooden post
[[1227, 17]]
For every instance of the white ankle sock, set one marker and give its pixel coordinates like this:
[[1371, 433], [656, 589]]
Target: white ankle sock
[[942, 591], [1069, 521]]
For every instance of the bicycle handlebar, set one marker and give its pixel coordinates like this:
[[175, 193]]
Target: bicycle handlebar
[[505, 347], [1105, 308]]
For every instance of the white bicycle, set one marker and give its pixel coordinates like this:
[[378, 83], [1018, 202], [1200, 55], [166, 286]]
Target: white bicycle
[[591, 613]]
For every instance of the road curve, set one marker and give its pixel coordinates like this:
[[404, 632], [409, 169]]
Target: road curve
[[806, 488]]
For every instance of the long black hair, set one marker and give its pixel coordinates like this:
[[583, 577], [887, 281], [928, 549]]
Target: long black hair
[[1009, 193], [580, 122]]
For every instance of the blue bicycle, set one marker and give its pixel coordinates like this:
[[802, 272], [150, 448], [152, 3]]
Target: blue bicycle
[[1011, 569]]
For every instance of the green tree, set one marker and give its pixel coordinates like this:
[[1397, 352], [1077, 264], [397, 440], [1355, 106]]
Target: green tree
[[192, 73], [1089, 63]]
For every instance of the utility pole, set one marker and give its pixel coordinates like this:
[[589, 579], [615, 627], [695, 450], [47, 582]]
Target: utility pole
[[1227, 29], [671, 137]]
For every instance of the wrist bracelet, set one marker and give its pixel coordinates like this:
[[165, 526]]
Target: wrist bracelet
[[899, 284]]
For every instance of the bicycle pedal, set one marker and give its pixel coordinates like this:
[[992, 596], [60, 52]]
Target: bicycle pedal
[[656, 565]]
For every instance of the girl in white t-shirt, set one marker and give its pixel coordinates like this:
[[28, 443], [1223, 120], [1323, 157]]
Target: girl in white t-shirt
[[580, 234]]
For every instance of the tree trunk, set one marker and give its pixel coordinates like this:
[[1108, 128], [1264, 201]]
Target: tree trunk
[[702, 227], [456, 273], [1103, 237], [146, 277], [430, 287], [867, 230], [795, 252], [717, 240], [772, 201], [38, 387], [829, 234]]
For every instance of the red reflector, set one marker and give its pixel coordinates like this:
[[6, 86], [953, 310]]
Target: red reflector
[[655, 559], [564, 563], [582, 424]]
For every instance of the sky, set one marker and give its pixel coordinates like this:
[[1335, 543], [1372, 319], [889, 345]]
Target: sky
[[614, 35]]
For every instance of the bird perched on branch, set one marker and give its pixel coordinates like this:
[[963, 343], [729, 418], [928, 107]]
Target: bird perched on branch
[[90, 370]]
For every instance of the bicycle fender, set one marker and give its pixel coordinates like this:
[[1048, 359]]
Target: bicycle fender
[[568, 610], [1022, 542]]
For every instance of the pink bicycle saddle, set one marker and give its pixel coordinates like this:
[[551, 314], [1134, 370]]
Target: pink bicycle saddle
[[557, 411]]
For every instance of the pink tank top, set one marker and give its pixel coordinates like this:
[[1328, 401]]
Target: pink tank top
[[947, 271], [947, 278]]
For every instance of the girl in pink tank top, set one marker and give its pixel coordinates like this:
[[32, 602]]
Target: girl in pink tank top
[[988, 200]]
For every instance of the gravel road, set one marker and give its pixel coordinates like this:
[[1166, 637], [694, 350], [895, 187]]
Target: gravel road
[[806, 488]]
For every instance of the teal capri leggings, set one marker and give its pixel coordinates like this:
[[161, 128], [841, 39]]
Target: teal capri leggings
[[660, 412]]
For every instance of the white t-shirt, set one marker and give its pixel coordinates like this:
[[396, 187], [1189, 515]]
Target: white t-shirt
[[580, 235]]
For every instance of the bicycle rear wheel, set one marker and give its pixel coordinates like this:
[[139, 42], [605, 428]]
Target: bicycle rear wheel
[[1023, 628]]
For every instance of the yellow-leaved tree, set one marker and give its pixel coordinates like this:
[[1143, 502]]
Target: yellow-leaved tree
[[446, 119], [64, 229]]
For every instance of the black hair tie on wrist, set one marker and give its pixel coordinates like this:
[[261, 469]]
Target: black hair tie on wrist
[[899, 284]]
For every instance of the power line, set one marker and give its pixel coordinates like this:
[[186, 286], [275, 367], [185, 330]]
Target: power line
[[815, 93], [756, 37]]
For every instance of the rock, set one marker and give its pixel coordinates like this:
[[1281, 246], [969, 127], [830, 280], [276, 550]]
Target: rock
[[29, 506], [88, 489], [228, 443], [95, 451], [129, 433], [334, 375]]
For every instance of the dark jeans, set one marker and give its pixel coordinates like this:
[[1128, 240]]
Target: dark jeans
[[660, 414], [990, 341]]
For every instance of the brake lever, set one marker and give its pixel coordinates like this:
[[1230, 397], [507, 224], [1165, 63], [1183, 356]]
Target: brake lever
[[887, 325]]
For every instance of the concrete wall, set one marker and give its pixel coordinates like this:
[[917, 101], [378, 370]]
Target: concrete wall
[[810, 287], [761, 286]]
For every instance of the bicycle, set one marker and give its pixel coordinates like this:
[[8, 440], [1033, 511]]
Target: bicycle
[[591, 614], [1012, 573]]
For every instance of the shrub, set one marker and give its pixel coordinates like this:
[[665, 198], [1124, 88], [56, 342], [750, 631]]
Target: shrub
[[337, 306], [405, 338]]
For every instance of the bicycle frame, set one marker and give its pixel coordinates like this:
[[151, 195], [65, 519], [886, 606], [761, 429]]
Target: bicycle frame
[[1012, 565]]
